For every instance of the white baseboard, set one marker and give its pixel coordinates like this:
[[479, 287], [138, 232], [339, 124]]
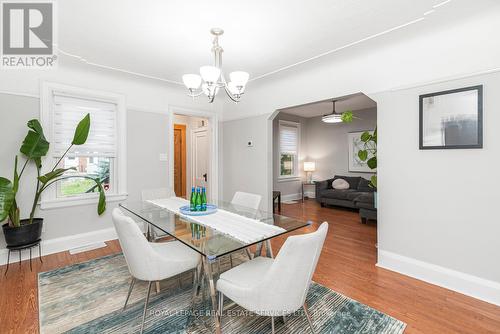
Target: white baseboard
[[291, 197], [473, 286], [57, 245], [298, 196]]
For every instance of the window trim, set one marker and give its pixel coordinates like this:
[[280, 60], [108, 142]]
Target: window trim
[[49, 198], [296, 175]]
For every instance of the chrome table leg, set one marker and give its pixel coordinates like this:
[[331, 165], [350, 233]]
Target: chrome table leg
[[208, 271], [269, 249], [308, 316]]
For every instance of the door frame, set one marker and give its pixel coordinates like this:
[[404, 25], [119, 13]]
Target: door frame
[[213, 126], [182, 128]]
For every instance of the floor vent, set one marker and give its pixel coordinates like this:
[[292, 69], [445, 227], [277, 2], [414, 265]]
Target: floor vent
[[88, 247]]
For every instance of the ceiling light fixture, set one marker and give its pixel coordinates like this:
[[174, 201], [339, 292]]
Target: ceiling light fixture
[[211, 78], [334, 117]]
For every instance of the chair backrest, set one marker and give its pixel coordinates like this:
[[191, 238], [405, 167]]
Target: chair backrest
[[247, 200], [156, 193], [138, 253], [285, 287]]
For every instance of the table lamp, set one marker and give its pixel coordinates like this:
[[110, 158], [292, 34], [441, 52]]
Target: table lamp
[[309, 167]]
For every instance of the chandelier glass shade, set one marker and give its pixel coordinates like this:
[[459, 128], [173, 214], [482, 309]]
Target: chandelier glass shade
[[211, 78]]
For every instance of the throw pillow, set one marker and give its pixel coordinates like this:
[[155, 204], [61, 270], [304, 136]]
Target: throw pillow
[[340, 184]]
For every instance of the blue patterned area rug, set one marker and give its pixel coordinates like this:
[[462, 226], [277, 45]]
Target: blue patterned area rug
[[88, 298]]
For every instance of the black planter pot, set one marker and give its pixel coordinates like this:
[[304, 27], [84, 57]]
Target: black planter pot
[[24, 234]]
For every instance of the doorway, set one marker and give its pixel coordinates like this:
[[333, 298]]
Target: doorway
[[180, 167], [192, 153]]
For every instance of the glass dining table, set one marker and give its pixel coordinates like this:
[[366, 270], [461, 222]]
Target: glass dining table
[[209, 242]]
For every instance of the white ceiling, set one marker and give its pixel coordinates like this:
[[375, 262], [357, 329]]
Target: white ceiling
[[166, 39], [353, 102]]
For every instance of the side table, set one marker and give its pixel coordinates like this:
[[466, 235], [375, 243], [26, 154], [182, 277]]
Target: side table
[[305, 184]]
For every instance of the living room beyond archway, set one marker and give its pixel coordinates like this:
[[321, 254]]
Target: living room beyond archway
[[317, 164]]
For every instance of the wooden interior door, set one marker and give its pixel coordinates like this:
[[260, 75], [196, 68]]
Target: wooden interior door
[[180, 160]]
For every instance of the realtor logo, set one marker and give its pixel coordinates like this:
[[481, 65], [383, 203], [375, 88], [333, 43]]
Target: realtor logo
[[28, 35]]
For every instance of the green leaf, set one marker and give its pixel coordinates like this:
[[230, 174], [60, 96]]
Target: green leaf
[[347, 116], [82, 131], [366, 136], [374, 136], [101, 206], [363, 155], [372, 162], [34, 125], [7, 196], [34, 145], [54, 174], [373, 181], [15, 185]]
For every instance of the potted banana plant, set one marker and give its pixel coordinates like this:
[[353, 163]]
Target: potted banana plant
[[19, 231]]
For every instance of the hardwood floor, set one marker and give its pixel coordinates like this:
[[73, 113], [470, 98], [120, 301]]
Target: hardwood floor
[[347, 265]]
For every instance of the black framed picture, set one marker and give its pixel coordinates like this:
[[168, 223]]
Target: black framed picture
[[452, 119]]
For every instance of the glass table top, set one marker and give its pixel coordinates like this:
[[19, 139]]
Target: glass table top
[[204, 239]]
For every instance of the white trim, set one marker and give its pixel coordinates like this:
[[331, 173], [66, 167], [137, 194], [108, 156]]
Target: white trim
[[480, 288], [291, 197], [213, 129], [62, 244], [49, 198], [76, 201]]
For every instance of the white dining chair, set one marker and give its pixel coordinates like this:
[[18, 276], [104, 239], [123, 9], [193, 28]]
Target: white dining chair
[[149, 261], [275, 287], [245, 200], [151, 194]]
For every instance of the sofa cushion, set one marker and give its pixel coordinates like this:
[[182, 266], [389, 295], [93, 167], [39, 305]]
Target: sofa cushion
[[365, 201], [353, 195], [364, 185], [352, 180], [336, 194]]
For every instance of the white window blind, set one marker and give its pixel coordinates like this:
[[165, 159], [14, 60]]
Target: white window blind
[[69, 110], [289, 137]]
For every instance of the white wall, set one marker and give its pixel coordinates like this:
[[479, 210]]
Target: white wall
[[147, 104], [437, 209], [327, 144]]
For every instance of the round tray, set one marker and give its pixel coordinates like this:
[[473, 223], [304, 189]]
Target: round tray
[[210, 209]]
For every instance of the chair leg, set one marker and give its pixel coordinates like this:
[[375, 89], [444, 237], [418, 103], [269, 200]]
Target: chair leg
[[157, 286], [132, 283], [308, 316], [146, 307], [221, 307], [272, 325]]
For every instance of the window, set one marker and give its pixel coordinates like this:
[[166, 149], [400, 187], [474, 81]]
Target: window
[[102, 156], [289, 135]]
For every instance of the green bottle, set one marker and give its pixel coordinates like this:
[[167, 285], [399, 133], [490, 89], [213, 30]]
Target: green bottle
[[198, 200], [192, 200], [203, 199]]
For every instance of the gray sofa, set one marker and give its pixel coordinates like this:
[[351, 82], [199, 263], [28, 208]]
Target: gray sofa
[[359, 196]]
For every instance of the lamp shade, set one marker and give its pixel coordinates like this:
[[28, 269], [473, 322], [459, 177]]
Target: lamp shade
[[192, 81], [210, 73], [309, 166], [332, 118], [239, 78]]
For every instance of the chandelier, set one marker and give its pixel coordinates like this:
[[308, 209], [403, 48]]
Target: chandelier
[[211, 78]]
